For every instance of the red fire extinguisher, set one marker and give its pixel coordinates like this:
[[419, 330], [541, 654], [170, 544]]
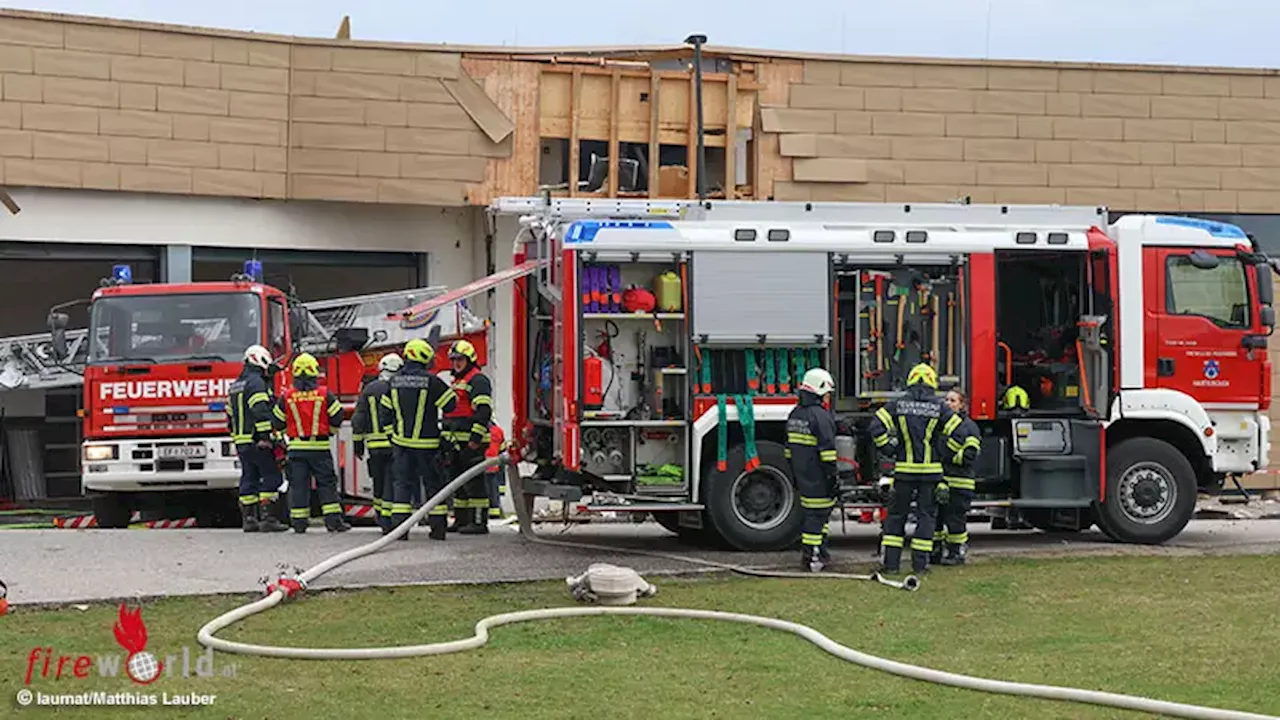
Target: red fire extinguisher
[[593, 382]]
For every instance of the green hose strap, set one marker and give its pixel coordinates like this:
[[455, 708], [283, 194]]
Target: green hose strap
[[722, 434], [800, 368], [753, 372], [813, 358], [706, 371], [747, 418], [770, 372], [784, 378]]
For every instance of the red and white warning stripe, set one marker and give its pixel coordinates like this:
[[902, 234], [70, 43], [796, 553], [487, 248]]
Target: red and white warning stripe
[[81, 522], [359, 511], [181, 524]]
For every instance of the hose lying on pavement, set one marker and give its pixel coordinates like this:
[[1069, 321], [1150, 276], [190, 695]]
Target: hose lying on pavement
[[288, 587]]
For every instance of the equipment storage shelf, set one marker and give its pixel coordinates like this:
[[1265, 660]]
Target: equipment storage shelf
[[634, 348]]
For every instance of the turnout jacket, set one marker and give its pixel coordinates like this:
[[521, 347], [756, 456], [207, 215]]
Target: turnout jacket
[[469, 419], [249, 407], [412, 407], [308, 414], [811, 445], [922, 424], [367, 427], [962, 452]]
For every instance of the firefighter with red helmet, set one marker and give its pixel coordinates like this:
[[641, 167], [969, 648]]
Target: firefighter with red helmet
[[249, 420], [466, 429], [411, 408], [811, 446], [309, 414]]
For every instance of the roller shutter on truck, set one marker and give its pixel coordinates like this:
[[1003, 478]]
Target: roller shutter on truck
[[739, 296]]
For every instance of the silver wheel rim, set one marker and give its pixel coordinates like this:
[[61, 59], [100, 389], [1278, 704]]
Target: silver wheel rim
[[762, 498], [1147, 493]]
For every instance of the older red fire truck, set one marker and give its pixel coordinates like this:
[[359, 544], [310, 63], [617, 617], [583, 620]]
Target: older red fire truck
[[156, 361], [657, 347]]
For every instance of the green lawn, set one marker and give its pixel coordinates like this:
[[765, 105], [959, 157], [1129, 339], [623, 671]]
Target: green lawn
[[1196, 630]]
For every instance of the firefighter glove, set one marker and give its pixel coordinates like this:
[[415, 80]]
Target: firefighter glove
[[942, 493], [264, 444]]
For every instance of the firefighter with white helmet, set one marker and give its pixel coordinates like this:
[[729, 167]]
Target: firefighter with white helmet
[[466, 429], [309, 415], [249, 420], [368, 433], [811, 446], [411, 411], [922, 424]]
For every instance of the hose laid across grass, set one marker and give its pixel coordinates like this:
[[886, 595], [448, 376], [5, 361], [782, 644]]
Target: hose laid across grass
[[282, 590]]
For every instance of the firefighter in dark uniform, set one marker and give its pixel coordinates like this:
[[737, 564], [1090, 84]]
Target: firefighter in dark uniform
[[249, 420], [466, 429], [368, 433], [922, 424], [309, 414], [811, 446], [959, 483], [411, 409]]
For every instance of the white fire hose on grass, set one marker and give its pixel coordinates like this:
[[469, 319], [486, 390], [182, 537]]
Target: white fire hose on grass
[[614, 588]]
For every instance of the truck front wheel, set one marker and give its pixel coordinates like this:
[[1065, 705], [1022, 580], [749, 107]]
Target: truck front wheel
[[1150, 492], [755, 510], [112, 510]]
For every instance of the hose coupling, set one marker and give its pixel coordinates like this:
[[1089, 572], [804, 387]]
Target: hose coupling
[[290, 586]]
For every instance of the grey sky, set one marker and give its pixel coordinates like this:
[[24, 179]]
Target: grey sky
[[1184, 32]]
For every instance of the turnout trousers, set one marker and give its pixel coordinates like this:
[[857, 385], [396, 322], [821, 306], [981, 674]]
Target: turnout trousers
[[380, 466], [471, 502], [908, 487], [816, 500], [416, 468], [305, 466], [260, 477]]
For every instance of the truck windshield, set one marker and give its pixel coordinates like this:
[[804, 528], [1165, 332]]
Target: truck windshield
[[1220, 295], [163, 328]]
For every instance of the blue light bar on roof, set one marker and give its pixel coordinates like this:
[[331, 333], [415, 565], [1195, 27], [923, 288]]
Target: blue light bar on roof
[[122, 274], [253, 268], [1214, 228]]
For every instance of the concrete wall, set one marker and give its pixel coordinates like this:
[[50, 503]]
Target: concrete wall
[[1131, 138]]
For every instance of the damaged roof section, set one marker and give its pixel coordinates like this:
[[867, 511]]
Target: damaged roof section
[[483, 110]]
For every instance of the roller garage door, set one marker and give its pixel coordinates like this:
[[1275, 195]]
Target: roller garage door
[[318, 274]]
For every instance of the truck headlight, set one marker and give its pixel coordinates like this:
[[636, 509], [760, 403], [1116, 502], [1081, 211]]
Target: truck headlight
[[100, 452]]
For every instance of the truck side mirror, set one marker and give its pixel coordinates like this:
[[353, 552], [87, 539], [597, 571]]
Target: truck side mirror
[[1268, 316], [58, 331], [1203, 260], [1266, 291]]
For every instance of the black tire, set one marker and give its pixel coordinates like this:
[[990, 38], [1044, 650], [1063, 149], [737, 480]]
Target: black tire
[[1150, 493], [112, 510], [768, 515]]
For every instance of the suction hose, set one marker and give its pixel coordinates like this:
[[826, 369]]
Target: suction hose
[[288, 587]]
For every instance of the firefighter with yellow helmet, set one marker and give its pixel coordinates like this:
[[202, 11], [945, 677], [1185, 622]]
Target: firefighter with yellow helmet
[[921, 424], [411, 409], [309, 415], [369, 434], [467, 433]]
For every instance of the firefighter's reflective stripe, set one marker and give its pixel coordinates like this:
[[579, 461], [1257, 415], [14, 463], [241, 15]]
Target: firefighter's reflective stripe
[[378, 436], [302, 513], [887, 421], [401, 508], [248, 499], [811, 539], [926, 464], [960, 483], [892, 541], [414, 440], [817, 503], [802, 439], [958, 538], [330, 508], [921, 545], [827, 455], [254, 400]]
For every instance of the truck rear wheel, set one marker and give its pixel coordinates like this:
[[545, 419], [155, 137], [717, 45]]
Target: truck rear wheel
[[112, 510], [755, 510], [1150, 492]]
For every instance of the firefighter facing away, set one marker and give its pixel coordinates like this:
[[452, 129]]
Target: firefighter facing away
[[811, 446], [309, 414], [466, 430], [368, 433], [922, 425], [958, 480], [411, 409], [249, 420]]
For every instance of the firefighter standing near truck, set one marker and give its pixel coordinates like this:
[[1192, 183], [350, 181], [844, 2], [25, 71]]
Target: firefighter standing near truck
[[958, 479], [411, 408], [368, 433], [309, 414], [922, 424], [811, 446], [494, 474], [249, 420], [466, 430]]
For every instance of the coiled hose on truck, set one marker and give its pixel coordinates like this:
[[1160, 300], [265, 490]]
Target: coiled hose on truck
[[288, 587]]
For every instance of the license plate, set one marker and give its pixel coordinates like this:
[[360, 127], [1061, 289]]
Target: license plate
[[181, 452]]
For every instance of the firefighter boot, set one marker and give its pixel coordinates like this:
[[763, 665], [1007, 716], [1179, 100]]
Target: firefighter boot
[[267, 521], [955, 554], [249, 518], [438, 525], [479, 522], [920, 562], [334, 522]]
